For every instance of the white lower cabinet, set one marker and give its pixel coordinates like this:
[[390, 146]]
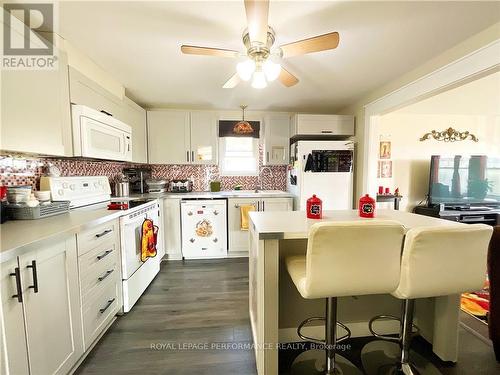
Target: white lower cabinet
[[171, 210], [238, 239], [51, 328]]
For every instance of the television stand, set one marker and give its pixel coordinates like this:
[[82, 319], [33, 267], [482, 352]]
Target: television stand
[[462, 214]]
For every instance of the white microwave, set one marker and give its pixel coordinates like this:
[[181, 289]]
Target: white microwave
[[100, 135]]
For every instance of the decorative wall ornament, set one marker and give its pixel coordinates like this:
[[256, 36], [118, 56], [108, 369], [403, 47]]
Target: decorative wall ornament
[[449, 135]]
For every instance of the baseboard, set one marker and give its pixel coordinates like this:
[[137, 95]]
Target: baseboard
[[358, 329]]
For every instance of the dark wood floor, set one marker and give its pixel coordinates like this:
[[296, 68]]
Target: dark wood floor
[[206, 303]]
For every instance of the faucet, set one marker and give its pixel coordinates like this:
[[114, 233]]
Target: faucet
[[259, 178]]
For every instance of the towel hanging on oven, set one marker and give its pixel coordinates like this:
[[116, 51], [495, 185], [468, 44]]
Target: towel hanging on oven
[[149, 239]]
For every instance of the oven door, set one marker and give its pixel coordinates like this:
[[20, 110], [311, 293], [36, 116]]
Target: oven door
[[131, 228]]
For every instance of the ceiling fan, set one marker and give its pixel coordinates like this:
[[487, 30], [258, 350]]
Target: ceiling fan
[[259, 39]]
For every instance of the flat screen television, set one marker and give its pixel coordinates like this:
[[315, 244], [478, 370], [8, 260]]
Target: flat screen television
[[464, 180]]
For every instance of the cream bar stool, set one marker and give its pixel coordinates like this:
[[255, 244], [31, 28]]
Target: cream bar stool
[[436, 261], [343, 259]]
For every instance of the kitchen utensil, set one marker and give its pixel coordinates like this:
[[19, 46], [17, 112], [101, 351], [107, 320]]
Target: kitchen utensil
[[180, 186], [122, 189], [43, 195], [118, 206], [156, 186], [3, 192]]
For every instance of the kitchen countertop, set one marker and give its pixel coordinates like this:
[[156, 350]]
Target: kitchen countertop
[[295, 224], [218, 194], [19, 236]]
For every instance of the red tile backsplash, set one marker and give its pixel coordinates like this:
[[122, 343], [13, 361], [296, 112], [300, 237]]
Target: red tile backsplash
[[22, 170]]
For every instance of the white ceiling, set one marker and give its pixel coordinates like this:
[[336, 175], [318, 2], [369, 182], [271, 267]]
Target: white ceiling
[[477, 98], [139, 44]]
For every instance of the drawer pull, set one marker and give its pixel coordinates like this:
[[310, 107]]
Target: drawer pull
[[99, 235], [19, 288], [110, 302], [35, 276], [106, 253], [105, 275]]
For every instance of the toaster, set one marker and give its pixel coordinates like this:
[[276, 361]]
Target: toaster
[[180, 186]]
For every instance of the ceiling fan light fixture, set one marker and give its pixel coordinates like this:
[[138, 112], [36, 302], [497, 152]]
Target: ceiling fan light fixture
[[271, 70], [245, 69], [259, 80]]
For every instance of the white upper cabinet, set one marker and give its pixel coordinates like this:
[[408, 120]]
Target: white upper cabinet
[[203, 138], [86, 92], [182, 137], [135, 116], [168, 137], [306, 124], [35, 110], [276, 139]]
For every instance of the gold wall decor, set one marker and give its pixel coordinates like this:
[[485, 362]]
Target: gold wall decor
[[449, 135]]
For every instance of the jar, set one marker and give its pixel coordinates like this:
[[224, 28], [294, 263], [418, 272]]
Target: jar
[[314, 208], [366, 206]]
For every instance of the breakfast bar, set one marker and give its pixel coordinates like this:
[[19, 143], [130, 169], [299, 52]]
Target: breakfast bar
[[276, 308]]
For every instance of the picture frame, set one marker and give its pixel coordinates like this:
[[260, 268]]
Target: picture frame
[[384, 169], [385, 150]]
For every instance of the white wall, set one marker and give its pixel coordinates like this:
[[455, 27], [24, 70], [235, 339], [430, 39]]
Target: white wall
[[357, 109], [473, 107]]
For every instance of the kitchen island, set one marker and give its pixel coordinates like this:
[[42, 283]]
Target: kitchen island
[[276, 308]]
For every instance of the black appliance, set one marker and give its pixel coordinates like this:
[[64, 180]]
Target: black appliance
[[329, 161], [137, 178], [464, 182]]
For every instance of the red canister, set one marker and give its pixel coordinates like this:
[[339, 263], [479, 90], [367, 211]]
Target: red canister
[[314, 208], [366, 206]]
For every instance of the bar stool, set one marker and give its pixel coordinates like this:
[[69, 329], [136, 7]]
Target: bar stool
[[343, 259], [436, 261]]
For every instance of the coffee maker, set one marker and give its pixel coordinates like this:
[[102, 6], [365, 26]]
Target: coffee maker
[[137, 178]]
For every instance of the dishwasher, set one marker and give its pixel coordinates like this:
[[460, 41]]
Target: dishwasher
[[204, 228]]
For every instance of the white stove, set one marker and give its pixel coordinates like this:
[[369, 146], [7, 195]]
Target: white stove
[[94, 192]]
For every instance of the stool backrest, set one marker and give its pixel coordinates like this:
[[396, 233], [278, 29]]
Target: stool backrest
[[353, 258], [438, 261]]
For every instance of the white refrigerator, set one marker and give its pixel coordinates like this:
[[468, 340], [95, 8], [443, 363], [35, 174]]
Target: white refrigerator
[[324, 168]]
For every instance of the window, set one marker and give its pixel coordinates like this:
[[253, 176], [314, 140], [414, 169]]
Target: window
[[239, 156]]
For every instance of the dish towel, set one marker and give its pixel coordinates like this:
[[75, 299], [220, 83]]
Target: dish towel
[[149, 239], [244, 210]]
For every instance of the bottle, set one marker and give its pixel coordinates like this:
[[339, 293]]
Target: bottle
[[314, 208], [366, 206]]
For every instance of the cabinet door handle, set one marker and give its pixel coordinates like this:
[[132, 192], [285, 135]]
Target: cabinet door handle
[[187, 155], [326, 131], [263, 206], [106, 113], [192, 156], [35, 276], [105, 275], [19, 288], [104, 255], [107, 305], [267, 156], [99, 235]]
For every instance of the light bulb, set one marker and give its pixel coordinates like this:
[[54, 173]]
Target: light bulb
[[259, 80], [271, 70], [245, 69]]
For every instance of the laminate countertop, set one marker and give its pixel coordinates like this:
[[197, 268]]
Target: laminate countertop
[[19, 236], [295, 224]]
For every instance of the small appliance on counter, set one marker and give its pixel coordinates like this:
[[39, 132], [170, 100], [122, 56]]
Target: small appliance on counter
[[180, 186], [156, 186], [122, 186], [137, 178]]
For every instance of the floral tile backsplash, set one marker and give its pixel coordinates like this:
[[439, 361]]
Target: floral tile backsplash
[[21, 170]]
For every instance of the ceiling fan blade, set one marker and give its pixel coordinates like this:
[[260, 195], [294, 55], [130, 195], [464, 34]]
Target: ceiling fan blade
[[287, 78], [257, 17], [207, 51], [232, 82], [314, 44]]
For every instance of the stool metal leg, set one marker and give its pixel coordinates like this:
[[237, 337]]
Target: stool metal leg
[[383, 357], [325, 360], [331, 334]]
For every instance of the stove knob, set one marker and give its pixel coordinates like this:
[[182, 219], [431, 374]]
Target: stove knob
[[72, 186], [65, 185], [60, 192], [96, 184]]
